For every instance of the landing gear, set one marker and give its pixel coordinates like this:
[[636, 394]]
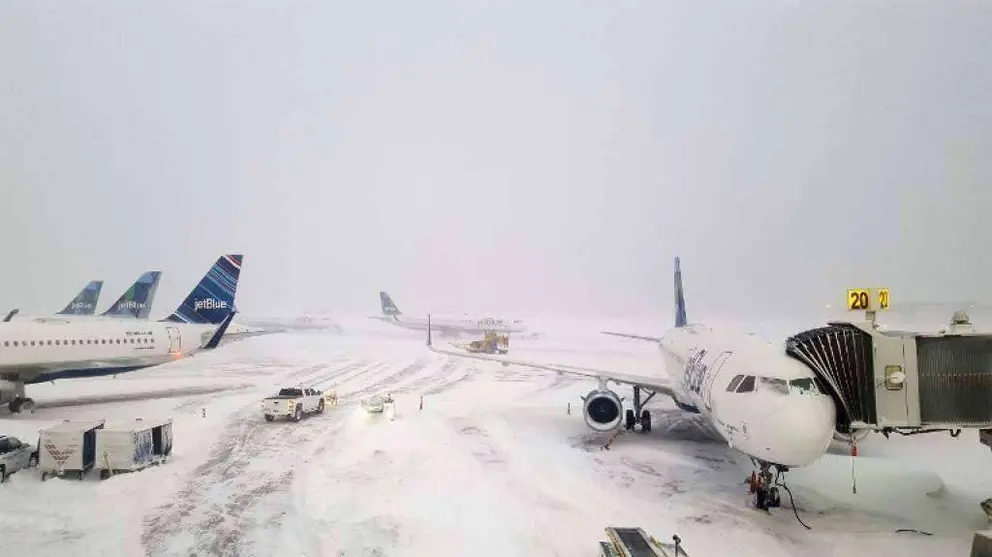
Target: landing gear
[[762, 487], [12, 394], [21, 405], [638, 415]]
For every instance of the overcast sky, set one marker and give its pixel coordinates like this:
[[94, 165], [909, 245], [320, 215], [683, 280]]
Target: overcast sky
[[518, 156]]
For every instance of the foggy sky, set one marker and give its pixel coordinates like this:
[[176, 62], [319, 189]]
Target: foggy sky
[[517, 156]]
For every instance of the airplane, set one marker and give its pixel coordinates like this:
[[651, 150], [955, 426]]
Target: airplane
[[36, 352], [447, 327], [85, 302], [763, 403], [135, 303]]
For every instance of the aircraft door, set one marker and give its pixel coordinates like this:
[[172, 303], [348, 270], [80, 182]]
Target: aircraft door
[[714, 372], [175, 340]]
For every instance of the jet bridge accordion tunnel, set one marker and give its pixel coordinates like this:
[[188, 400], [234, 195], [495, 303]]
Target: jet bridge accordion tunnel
[[900, 380]]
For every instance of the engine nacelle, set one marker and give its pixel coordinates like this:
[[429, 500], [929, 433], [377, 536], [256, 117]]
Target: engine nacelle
[[603, 410]]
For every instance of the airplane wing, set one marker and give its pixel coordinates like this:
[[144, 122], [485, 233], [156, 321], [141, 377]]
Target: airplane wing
[[656, 384], [628, 335]]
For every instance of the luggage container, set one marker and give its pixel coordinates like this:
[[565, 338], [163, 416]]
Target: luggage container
[[129, 446], [68, 448]]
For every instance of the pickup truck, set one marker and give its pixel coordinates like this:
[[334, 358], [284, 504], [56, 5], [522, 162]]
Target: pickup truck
[[293, 404], [15, 455]]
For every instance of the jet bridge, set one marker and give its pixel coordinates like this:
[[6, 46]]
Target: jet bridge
[[909, 382]]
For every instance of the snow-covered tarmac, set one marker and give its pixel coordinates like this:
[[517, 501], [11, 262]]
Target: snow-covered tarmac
[[493, 465]]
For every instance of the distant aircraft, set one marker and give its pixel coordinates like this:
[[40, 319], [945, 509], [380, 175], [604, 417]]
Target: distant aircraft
[[446, 326], [40, 351], [763, 403]]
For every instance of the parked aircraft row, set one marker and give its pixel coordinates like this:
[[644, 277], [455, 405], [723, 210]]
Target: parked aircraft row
[[46, 349], [763, 403], [134, 303]]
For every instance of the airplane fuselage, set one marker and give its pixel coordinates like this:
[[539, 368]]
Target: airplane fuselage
[[35, 352], [463, 325], [760, 400]]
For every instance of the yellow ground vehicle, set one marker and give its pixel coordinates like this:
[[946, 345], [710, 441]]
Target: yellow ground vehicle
[[491, 343]]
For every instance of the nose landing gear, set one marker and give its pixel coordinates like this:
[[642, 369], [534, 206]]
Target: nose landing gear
[[762, 487]]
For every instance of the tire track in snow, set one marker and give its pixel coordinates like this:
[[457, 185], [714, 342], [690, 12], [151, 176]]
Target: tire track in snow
[[392, 379], [240, 495]]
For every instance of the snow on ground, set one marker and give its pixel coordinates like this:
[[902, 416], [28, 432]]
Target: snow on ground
[[492, 465]]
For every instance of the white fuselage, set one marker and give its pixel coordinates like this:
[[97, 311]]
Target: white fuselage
[[784, 419], [34, 351], [459, 325]]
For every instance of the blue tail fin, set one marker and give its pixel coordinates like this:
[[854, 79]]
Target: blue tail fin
[[213, 298], [85, 302], [136, 302], [680, 318], [388, 307]]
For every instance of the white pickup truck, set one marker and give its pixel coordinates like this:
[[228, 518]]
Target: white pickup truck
[[293, 404], [14, 456]]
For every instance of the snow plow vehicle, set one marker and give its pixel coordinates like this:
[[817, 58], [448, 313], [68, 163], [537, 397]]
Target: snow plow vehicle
[[491, 343], [293, 403]]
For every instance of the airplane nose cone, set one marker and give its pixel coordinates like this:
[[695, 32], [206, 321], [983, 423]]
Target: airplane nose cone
[[801, 431]]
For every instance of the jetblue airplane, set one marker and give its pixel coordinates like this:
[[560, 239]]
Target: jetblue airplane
[[449, 327], [36, 352], [134, 303], [85, 302], [764, 403]]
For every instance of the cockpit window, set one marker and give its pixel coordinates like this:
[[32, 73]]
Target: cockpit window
[[733, 384], [780, 386], [804, 386], [747, 385]]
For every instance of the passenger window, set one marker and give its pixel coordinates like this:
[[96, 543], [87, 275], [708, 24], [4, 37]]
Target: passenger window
[[734, 383], [32, 343], [118, 341], [6, 343], [779, 386], [56, 343], [747, 385]]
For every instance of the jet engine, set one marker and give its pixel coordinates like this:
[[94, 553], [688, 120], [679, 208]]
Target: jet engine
[[603, 410]]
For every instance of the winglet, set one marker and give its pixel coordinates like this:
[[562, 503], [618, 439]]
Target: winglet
[[11, 315], [219, 333]]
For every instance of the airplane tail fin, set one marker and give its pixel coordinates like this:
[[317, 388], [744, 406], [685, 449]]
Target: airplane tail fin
[[212, 301], [85, 302], [680, 317], [388, 307], [136, 302]]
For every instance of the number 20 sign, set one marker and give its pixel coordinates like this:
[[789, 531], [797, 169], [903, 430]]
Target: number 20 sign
[[860, 299]]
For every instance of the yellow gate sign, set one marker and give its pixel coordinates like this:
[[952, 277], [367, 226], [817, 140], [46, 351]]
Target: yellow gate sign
[[859, 299], [883, 298]]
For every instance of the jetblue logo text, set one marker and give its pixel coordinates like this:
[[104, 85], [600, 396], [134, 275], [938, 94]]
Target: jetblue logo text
[[209, 303], [81, 305], [130, 304]]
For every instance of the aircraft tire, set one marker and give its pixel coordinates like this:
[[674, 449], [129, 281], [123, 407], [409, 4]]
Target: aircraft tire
[[645, 421], [630, 420]]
